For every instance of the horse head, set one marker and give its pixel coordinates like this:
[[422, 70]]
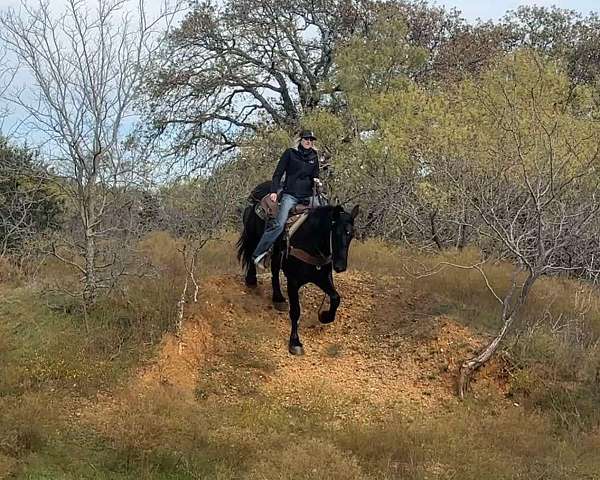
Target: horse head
[[342, 232]]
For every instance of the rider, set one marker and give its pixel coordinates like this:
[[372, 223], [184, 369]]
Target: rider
[[301, 168]]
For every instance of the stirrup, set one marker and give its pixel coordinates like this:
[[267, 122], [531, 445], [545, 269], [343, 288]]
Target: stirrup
[[263, 260]]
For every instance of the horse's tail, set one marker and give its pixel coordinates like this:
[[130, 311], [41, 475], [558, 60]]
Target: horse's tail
[[251, 233]]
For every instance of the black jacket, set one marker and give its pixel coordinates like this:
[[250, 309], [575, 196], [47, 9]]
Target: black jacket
[[300, 167]]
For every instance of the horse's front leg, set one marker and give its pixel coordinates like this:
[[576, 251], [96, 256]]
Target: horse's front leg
[[325, 283], [278, 298], [295, 347]]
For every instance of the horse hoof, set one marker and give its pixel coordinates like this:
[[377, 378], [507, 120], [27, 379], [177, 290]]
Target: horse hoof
[[281, 306], [325, 317], [296, 350], [252, 283]]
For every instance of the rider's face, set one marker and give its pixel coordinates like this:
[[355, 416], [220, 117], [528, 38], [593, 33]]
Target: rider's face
[[307, 142]]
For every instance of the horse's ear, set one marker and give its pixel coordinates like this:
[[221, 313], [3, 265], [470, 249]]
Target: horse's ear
[[337, 210], [354, 212]]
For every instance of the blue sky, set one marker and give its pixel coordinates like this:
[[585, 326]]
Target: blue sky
[[493, 10]]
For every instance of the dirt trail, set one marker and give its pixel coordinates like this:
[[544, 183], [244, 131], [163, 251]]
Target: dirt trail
[[384, 351], [381, 351]]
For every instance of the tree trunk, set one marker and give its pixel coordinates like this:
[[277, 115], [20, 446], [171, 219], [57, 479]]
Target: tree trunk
[[470, 366], [510, 309], [461, 239], [90, 289], [180, 307], [434, 234]]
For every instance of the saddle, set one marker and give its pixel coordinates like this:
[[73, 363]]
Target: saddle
[[266, 208]]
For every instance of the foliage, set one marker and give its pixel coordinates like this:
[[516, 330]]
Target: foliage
[[62, 416], [516, 144], [29, 202], [263, 62]]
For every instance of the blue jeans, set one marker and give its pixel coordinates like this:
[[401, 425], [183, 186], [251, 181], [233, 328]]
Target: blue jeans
[[276, 225]]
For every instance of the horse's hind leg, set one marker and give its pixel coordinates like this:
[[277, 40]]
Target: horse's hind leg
[[295, 347], [278, 298], [252, 230], [251, 280], [326, 284]]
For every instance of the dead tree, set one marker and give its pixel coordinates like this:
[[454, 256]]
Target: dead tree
[[528, 176], [86, 65], [196, 212]]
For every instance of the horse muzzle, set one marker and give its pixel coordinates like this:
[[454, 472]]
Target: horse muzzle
[[340, 267]]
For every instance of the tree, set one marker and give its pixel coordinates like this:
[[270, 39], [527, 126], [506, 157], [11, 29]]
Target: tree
[[374, 134], [231, 68], [195, 212], [6, 78], [29, 203], [561, 34], [518, 146], [86, 66]]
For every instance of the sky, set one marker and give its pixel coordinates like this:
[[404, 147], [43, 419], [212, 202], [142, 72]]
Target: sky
[[493, 10], [151, 5], [471, 9], [11, 116]]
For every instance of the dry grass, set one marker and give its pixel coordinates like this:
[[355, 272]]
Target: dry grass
[[472, 442], [86, 405], [464, 294], [10, 273], [554, 353], [27, 422]]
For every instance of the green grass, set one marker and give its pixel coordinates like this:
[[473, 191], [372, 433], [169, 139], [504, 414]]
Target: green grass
[[43, 350], [49, 364]]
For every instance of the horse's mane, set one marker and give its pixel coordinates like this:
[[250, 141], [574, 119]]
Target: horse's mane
[[318, 222], [321, 213]]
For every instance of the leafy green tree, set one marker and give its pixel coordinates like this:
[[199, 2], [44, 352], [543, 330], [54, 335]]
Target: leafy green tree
[[29, 203], [373, 135], [518, 147], [560, 34], [231, 67]]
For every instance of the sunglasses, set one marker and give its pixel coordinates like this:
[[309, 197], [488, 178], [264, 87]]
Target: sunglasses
[[309, 139]]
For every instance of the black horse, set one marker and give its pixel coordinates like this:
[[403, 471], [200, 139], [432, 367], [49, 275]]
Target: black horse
[[319, 246]]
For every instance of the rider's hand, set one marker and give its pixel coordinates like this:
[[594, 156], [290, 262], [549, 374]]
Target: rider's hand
[[273, 197]]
